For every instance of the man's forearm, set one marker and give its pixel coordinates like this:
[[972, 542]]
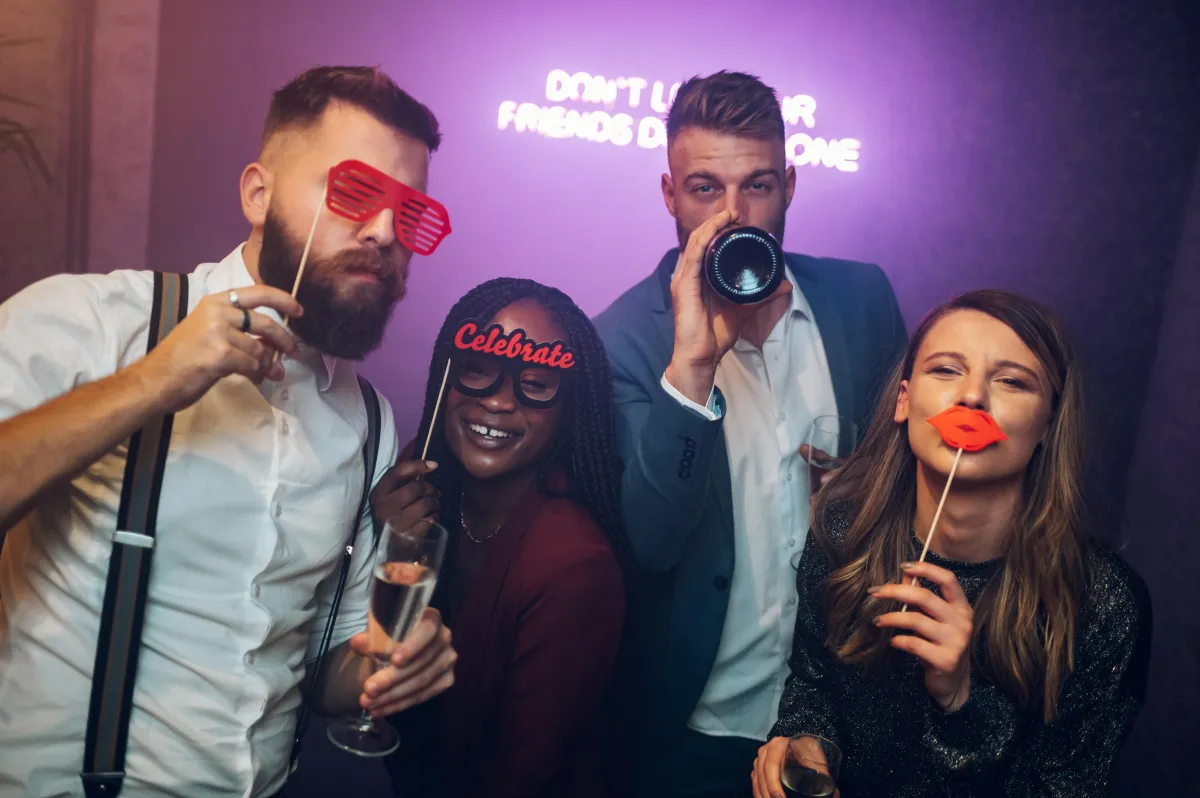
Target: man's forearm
[[665, 483], [60, 438], [339, 686], [693, 381]]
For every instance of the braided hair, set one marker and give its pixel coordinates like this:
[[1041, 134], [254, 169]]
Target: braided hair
[[586, 444]]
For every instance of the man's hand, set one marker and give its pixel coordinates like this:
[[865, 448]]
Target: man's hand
[[418, 669], [706, 326], [210, 344]]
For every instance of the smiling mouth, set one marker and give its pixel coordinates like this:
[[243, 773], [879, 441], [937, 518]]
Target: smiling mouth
[[485, 437], [489, 432]]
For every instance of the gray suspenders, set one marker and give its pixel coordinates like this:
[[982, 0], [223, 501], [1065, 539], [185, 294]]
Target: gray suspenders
[[119, 641], [129, 573]]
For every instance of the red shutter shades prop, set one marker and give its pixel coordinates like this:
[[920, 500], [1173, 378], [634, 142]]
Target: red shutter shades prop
[[359, 192]]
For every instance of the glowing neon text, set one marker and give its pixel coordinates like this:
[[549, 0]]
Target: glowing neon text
[[558, 121]]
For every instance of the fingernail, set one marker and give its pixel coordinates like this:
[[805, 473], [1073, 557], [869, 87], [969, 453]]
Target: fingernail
[[875, 620], [907, 565], [873, 590], [430, 464]]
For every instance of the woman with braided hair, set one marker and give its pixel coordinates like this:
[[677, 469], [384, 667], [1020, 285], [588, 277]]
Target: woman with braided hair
[[522, 468]]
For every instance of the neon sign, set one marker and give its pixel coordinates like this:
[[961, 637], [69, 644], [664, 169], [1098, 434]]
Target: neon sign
[[649, 129]]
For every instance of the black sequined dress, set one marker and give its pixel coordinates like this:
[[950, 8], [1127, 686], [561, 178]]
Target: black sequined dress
[[896, 742]]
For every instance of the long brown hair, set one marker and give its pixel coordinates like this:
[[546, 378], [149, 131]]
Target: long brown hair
[[1025, 618]]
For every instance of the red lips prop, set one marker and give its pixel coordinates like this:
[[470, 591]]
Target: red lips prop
[[967, 429]]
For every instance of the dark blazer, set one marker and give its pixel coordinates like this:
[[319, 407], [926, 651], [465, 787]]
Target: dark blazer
[[537, 637], [676, 493]]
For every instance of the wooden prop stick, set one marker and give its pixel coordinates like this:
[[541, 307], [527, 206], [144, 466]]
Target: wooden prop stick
[[304, 259], [307, 246], [937, 514], [437, 406]]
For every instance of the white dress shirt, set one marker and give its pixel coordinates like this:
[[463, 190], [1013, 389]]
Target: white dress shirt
[[261, 488], [772, 396]]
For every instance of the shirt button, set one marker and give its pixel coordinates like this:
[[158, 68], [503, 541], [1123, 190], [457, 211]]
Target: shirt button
[[278, 509], [791, 545], [782, 417], [285, 427], [792, 601], [285, 395]]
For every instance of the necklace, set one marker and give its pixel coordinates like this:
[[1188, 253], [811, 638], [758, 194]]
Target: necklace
[[462, 519]]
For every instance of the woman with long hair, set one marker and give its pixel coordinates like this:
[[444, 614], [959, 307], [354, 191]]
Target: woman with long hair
[[522, 469], [1020, 663]]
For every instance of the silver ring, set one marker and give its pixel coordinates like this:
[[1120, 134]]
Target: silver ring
[[245, 320], [233, 299]]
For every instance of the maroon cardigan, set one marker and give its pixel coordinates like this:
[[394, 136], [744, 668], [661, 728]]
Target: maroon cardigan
[[537, 636]]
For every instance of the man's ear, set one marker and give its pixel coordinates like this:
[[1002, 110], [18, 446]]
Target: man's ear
[[255, 189], [668, 192]]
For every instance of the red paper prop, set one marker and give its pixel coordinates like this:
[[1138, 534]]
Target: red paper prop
[[967, 429], [513, 345], [359, 192]]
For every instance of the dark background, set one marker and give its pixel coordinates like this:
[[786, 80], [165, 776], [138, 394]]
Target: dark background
[[1045, 147]]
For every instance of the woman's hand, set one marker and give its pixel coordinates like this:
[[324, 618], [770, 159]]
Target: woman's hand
[[767, 776], [768, 769], [940, 631], [403, 497]]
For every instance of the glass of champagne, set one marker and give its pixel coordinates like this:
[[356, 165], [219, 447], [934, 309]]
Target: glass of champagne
[[407, 561], [810, 768]]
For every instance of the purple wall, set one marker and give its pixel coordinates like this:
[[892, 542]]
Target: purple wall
[[1041, 147], [1161, 523], [1020, 148]]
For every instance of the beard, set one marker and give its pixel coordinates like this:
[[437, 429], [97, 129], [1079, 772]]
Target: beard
[[774, 226], [341, 318]]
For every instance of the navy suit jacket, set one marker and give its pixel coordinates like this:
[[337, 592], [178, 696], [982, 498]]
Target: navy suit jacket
[[676, 492]]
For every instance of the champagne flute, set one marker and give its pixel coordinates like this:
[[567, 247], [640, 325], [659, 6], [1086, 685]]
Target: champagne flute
[[810, 768], [407, 561]]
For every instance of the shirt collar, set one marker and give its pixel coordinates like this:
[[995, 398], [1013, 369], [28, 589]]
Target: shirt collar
[[230, 274], [797, 308]]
